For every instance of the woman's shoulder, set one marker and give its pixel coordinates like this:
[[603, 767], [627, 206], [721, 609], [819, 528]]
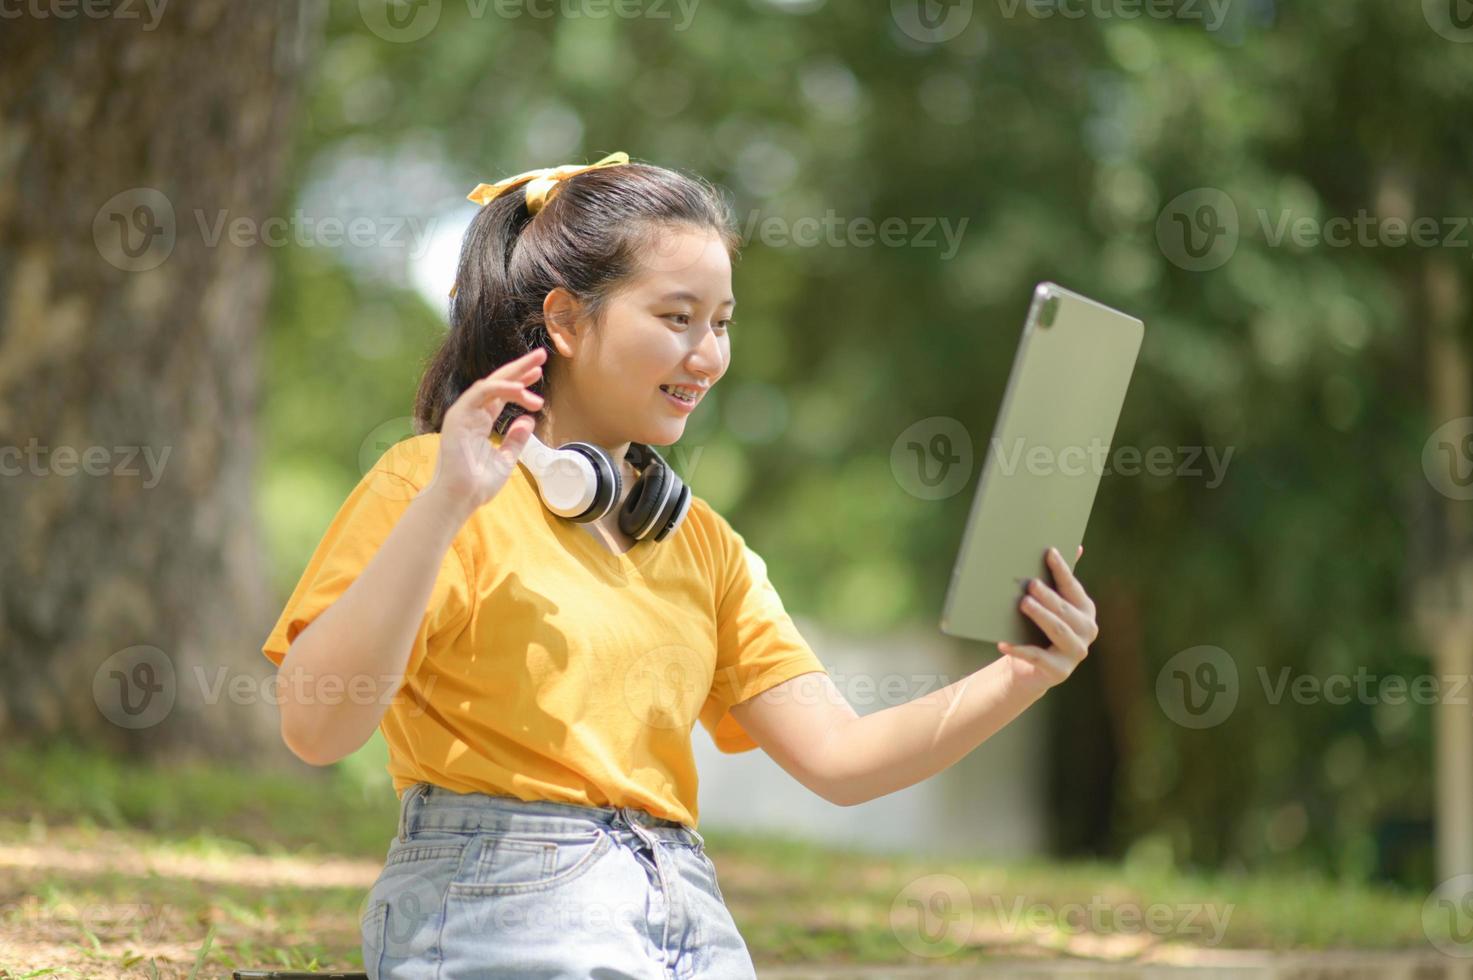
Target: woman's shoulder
[[412, 460], [704, 517], [709, 529]]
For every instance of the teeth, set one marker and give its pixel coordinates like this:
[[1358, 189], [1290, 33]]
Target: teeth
[[684, 394]]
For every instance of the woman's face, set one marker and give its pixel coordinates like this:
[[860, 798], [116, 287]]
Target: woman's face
[[665, 328]]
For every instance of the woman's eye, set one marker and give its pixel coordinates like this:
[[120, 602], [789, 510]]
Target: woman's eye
[[684, 319]]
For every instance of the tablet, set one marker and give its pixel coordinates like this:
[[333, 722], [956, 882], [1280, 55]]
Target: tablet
[[1049, 448]]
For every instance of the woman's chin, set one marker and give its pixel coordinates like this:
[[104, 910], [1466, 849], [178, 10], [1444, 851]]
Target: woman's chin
[[665, 432]]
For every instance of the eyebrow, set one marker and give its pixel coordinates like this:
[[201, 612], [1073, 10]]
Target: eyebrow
[[692, 297]]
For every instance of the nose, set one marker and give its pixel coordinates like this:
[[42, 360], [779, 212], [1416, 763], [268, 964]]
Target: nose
[[707, 359]]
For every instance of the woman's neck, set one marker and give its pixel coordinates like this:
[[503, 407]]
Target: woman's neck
[[554, 432]]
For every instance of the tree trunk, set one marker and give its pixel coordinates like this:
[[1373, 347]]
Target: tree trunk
[[130, 578], [1443, 600]]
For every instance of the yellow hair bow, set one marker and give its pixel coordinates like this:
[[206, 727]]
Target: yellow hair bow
[[542, 184]]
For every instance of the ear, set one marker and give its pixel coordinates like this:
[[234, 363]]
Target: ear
[[561, 312]]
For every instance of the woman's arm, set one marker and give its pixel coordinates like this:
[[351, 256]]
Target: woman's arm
[[807, 726], [335, 674], [335, 677]]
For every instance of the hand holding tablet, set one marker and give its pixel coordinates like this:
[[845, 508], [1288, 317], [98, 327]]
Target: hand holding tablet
[[1067, 618]]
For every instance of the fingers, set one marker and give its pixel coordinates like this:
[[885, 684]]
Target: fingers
[[537, 355], [1082, 624], [1069, 586], [526, 374], [492, 393], [525, 369], [1063, 638], [517, 435]]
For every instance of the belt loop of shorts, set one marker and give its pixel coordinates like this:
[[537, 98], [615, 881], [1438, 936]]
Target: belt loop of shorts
[[412, 797]]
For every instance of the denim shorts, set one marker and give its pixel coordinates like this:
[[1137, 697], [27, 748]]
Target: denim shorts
[[482, 886]]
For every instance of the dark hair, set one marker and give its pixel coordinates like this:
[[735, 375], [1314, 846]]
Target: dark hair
[[586, 240]]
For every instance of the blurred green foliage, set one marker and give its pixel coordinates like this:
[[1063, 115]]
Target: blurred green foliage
[[1059, 141]]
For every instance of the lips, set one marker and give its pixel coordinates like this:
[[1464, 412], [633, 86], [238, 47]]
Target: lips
[[679, 404], [691, 394]]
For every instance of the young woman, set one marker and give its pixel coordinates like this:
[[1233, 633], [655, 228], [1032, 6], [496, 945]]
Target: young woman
[[537, 678]]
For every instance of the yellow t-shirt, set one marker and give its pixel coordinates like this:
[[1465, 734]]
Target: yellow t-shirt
[[547, 667]]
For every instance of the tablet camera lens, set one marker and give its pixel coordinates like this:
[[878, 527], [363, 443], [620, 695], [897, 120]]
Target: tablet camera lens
[[1049, 312]]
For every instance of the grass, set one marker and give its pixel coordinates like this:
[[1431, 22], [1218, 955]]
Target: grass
[[113, 868]]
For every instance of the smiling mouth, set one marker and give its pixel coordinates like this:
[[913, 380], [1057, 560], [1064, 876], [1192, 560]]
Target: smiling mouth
[[686, 396]]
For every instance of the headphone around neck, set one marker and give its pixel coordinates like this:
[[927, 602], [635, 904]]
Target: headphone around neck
[[578, 481]]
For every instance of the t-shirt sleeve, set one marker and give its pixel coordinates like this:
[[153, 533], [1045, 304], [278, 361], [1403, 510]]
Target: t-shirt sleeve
[[351, 540], [757, 644]]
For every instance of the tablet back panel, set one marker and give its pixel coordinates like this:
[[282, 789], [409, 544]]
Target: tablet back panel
[[1041, 469]]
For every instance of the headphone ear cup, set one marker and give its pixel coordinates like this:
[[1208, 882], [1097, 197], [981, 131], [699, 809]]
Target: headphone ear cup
[[682, 504], [606, 478], [658, 501], [637, 516]]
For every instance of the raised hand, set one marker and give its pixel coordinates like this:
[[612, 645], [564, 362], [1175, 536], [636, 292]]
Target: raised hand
[[471, 469]]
